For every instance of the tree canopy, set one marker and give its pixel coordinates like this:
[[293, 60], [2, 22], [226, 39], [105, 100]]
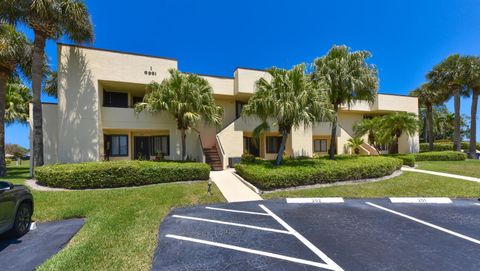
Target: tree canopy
[[289, 99]]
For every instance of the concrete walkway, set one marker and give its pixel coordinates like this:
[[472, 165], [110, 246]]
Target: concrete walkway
[[231, 187], [472, 179]]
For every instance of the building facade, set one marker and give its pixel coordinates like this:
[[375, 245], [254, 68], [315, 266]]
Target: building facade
[[94, 118]]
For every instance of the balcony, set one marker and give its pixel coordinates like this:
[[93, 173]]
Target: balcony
[[126, 118]]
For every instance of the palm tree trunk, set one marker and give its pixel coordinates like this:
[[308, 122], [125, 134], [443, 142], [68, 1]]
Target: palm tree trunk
[[184, 144], [37, 70], [3, 87], [333, 140], [473, 125], [430, 126], [456, 131], [282, 147]]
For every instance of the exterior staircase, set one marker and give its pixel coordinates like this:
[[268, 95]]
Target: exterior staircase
[[371, 150], [213, 159]]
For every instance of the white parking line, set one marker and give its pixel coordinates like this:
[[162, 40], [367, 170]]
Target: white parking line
[[477, 203], [421, 200], [315, 200], [236, 211], [426, 223], [231, 224], [251, 251], [332, 265]]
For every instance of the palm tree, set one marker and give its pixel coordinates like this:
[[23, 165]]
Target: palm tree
[[349, 78], [450, 74], [15, 49], [49, 19], [370, 127], [290, 99], [429, 95], [399, 123], [355, 143], [473, 83], [187, 97], [17, 101], [50, 86]]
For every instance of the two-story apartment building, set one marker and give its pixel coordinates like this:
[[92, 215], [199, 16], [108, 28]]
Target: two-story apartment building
[[94, 118]]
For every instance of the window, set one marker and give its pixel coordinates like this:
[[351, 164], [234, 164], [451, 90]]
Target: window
[[159, 144], [273, 143], [116, 145], [115, 99], [319, 145], [250, 146], [238, 108]]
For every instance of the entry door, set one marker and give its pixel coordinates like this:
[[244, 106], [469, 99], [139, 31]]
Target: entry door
[[141, 147]]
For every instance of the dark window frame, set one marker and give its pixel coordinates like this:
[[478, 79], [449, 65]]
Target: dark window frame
[[269, 145], [238, 108], [109, 150], [151, 138], [107, 99], [320, 139], [138, 98]]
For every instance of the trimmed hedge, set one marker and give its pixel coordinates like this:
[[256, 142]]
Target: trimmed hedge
[[119, 173], [408, 159], [265, 175], [445, 146], [441, 156]]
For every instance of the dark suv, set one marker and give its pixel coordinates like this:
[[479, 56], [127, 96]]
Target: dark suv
[[16, 209]]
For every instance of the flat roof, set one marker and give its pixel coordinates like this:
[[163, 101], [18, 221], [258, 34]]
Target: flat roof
[[114, 51]]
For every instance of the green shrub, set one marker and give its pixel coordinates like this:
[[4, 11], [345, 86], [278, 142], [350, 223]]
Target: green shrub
[[119, 173], [408, 159], [8, 161], [440, 156], [267, 176], [248, 158], [445, 146]]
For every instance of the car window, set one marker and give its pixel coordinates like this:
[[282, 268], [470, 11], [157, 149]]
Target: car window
[[4, 185]]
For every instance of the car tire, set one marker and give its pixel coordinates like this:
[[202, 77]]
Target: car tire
[[23, 220]]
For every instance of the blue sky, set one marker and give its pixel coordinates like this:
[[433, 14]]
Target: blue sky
[[406, 37]]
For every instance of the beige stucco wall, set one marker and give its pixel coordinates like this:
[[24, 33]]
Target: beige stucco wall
[[79, 103], [245, 79], [301, 141], [220, 85]]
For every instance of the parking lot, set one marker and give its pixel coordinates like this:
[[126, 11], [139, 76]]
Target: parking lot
[[367, 234], [34, 248]]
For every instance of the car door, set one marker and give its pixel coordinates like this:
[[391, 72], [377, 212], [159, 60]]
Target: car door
[[7, 206]]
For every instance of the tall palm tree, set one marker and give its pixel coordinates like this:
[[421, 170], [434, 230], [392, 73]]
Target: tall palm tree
[[49, 19], [473, 83], [451, 75], [17, 101], [290, 99], [349, 78], [187, 97], [15, 49], [399, 123], [429, 95]]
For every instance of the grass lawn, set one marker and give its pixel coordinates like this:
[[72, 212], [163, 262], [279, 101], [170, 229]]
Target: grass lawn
[[466, 168], [121, 226], [407, 184]]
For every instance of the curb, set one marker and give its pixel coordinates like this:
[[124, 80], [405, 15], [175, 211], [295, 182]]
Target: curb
[[249, 185]]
